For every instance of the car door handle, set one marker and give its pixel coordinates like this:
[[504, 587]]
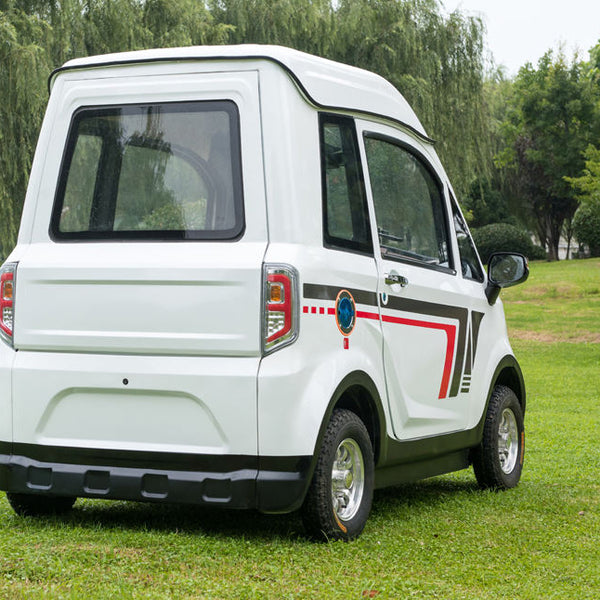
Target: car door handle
[[396, 279]]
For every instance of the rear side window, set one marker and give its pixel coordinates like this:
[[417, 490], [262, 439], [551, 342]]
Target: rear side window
[[158, 171], [345, 211]]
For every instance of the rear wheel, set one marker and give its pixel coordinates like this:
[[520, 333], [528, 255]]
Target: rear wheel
[[30, 505], [498, 460], [339, 499]]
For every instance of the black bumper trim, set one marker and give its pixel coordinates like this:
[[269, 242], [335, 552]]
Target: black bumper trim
[[269, 484]]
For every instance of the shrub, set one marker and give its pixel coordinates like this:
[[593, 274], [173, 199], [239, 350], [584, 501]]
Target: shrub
[[502, 237], [586, 226]]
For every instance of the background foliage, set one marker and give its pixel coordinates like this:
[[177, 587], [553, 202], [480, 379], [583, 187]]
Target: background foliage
[[435, 60], [513, 148], [503, 237]]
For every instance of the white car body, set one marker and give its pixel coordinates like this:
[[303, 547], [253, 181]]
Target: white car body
[[137, 368]]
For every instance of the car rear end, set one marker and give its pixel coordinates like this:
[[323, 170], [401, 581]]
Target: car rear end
[[132, 312]]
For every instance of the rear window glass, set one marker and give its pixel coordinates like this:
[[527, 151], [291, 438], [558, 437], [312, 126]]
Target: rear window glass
[[152, 171]]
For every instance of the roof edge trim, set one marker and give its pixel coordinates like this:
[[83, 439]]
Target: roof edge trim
[[286, 68]]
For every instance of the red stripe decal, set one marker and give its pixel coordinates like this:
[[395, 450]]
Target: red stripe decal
[[450, 345], [450, 331], [361, 314]]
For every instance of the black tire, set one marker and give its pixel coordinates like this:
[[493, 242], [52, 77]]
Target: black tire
[[30, 505], [341, 514], [498, 460]]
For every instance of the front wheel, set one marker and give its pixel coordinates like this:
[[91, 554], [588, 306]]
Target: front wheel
[[338, 501], [35, 505], [498, 460]]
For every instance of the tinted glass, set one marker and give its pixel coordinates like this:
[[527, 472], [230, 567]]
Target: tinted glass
[[345, 213], [408, 205], [469, 261], [151, 171]]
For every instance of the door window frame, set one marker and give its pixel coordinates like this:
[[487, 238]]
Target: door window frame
[[426, 163]]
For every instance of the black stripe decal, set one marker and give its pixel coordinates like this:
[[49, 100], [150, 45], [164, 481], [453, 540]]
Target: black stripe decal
[[313, 291], [476, 318]]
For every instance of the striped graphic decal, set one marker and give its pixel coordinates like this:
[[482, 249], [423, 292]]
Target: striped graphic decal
[[453, 380], [450, 331]]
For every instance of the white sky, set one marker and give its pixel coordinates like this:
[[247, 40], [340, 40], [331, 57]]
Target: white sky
[[519, 31]]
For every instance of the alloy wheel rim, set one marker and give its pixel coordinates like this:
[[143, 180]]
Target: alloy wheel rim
[[347, 479], [508, 441]]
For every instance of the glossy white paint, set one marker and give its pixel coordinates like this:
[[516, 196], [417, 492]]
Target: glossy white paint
[[169, 403], [296, 385]]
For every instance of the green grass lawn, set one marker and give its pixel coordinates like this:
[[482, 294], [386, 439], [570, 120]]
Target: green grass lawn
[[442, 538]]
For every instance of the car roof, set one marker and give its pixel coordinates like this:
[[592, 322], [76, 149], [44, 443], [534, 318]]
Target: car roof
[[326, 83]]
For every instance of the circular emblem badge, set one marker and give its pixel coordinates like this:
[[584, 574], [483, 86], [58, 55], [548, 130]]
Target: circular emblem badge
[[345, 312]]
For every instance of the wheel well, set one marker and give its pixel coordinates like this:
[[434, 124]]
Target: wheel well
[[360, 401], [511, 378]]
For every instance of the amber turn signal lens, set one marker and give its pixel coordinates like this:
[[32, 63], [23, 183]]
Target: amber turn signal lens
[[276, 292], [7, 290]]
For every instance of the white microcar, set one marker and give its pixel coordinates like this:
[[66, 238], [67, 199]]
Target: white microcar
[[242, 279]]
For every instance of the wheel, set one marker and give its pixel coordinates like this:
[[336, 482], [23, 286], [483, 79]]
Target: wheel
[[30, 505], [498, 460], [339, 498]]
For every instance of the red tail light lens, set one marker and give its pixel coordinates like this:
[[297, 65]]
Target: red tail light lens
[[7, 301], [280, 306]]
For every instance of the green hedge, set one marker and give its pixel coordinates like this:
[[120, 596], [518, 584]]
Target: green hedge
[[502, 237], [586, 227]]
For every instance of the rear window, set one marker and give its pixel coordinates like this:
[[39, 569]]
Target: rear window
[[152, 171]]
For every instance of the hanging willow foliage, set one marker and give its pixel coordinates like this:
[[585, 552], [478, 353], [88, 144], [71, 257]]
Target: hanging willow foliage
[[22, 70], [435, 60], [437, 63]]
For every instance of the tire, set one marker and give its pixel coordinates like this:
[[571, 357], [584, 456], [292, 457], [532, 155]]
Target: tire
[[339, 498], [498, 460], [30, 505]]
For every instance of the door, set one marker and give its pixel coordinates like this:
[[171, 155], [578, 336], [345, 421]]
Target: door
[[424, 306]]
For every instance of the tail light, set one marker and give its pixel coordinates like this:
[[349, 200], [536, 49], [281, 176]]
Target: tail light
[[7, 301], [281, 306]]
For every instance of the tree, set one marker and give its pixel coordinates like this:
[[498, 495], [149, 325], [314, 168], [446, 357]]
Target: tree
[[551, 121], [586, 223], [23, 69], [437, 62]]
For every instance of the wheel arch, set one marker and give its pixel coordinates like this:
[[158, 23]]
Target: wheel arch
[[508, 373], [358, 393]]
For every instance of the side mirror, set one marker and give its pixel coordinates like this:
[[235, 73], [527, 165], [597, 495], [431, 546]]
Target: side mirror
[[504, 270]]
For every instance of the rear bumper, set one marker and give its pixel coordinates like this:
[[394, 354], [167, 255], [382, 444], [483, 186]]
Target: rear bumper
[[269, 484]]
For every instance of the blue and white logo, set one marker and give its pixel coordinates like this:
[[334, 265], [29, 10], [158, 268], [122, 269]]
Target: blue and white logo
[[345, 312]]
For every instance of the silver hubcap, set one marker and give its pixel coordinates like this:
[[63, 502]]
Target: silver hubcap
[[508, 441], [347, 479]]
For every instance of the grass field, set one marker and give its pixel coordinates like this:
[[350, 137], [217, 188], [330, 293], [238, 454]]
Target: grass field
[[442, 538]]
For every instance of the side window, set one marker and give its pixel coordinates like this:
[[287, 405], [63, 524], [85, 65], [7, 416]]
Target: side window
[[345, 212], [408, 205], [469, 262]]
